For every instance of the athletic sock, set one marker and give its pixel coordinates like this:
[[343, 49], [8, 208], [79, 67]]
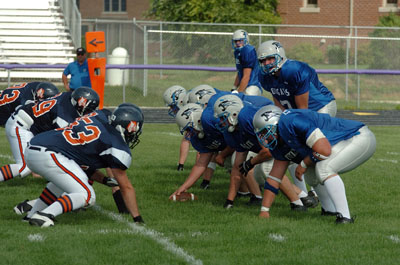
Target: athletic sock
[[9, 171], [337, 192]]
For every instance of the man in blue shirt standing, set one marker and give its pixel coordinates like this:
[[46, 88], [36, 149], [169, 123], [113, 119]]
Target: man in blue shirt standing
[[79, 72]]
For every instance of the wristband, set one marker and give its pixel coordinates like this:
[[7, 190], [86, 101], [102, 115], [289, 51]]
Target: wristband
[[264, 209], [302, 164]]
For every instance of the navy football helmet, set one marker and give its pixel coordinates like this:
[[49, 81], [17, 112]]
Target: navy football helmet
[[44, 90], [85, 100], [128, 121]]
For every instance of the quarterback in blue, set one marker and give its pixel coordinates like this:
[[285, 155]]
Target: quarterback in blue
[[91, 141], [323, 146], [34, 118], [247, 66], [293, 84], [12, 97]]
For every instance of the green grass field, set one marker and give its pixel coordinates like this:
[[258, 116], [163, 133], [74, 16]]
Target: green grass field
[[202, 232]]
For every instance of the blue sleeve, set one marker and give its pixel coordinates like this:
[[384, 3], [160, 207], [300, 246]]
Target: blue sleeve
[[67, 70]]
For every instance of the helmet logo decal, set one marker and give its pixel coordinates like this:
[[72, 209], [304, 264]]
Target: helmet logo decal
[[82, 102], [225, 104], [40, 93], [175, 95], [202, 92], [267, 115], [132, 127], [187, 112]]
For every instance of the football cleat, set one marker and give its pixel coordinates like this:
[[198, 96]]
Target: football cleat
[[180, 167], [42, 219], [22, 207], [228, 205], [298, 208], [205, 184], [310, 201], [343, 220], [25, 219], [254, 201], [327, 213]]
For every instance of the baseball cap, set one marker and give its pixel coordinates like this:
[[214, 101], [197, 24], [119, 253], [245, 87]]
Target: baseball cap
[[80, 50]]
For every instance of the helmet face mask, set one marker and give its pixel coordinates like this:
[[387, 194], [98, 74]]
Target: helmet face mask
[[85, 100], [268, 137], [265, 124], [227, 109], [271, 49], [240, 39], [128, 121], [188, 119]]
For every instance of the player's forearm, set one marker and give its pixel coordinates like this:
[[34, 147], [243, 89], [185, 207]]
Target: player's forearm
[[129, 196]]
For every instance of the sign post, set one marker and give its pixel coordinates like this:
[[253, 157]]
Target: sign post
[[95, 43]]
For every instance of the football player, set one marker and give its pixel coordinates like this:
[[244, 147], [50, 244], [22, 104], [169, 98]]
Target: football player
[[293, 85], [34, 118], [322, 146], [92, 141], [247, 66], [207, 142], [17, 95], [235, 122], [175, 98]]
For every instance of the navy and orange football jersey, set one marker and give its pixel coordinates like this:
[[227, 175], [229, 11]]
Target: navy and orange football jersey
[[90, 141], [12, 97], [52, 113]]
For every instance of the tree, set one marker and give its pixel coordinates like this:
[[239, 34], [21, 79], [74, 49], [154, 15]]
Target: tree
[[385, 53], [216, 11], [199, 48]]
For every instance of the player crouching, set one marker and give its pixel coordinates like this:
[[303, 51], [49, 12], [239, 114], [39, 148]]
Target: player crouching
[[93, 141]]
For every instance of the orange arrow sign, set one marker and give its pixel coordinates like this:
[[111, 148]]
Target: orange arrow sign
[[95, 41]]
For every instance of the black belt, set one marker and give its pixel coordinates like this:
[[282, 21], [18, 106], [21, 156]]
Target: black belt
[[18, 122], [40, 149]]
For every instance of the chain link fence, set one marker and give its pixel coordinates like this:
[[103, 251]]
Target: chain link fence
[[203, 44]]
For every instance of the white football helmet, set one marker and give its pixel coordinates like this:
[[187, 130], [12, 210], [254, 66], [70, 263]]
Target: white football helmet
[[273, 49], [201, 94], [253, 91], [174, 98], [226, 109], [188, 119], [241, 35], [265, 123]]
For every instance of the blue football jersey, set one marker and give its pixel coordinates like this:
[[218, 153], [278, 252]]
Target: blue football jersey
[[247, 58], [12, 97], [243, 138], [295, 126], [90, 141], [52, 113], [296, 78]]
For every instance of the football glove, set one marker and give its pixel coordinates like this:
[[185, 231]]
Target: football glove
[[246, 166], [110, 182]]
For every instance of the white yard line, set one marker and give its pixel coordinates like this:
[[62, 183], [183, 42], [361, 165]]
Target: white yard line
[[277, 237], [388, 160], [156, 236], [394, 238], [7, 157]]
